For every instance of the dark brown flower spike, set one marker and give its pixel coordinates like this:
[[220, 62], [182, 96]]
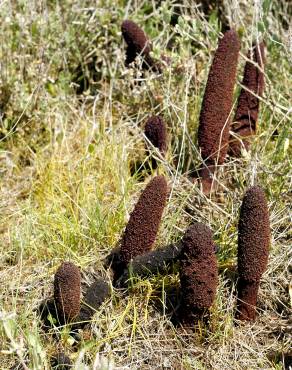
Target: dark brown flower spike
[[144, 221], [198, 273], [156, 133], [246, 115], [138, 44], [67, 292], [214, 122], [253, 250]]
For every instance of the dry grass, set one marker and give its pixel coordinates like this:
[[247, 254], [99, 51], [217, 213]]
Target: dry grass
[[66, 187]]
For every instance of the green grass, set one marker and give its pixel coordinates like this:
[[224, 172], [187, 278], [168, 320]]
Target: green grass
[[67, 191]]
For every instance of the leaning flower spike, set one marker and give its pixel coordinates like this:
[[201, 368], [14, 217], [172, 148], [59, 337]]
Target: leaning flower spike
[[214, 122], [137, 44], [245, 119], [198, 273], [144, 221], [253, 250], [67, 291]]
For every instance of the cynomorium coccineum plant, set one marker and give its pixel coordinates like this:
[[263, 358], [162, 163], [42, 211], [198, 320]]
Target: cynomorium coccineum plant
[[246, 115], [138, 44], [156, 133], [253, 250], [198, 273], [67, 291], [214, 122], [142, 228]]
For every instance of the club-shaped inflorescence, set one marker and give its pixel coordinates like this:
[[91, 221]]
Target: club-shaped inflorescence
[[67, 291], [253, 250], [137, 44], [142, 228], [214, 122], [198, 273], [246, 115]]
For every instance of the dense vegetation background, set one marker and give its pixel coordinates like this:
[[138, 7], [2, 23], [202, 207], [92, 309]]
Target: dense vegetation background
[[71, 127]]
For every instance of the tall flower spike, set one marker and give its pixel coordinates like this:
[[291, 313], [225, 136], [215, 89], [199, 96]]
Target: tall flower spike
[[67, 291], [198, 273], [214, 122], [253, 250], [245, 119], [144, 221], [137, 44], [156, 133]]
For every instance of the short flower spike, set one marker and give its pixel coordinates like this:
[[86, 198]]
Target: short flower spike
[[144, 221], [156, 133], [137, 44], [198, 273], [67, 291]]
